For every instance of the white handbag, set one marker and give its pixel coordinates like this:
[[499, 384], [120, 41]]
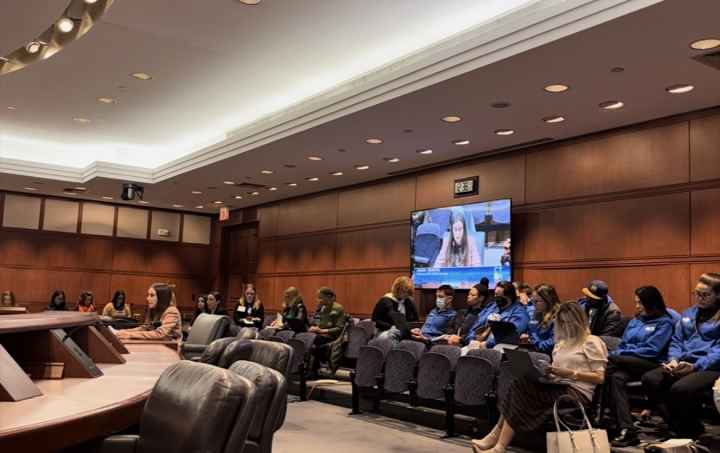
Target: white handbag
[[582, 441]]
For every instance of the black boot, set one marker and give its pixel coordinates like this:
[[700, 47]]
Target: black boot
[[627, 438]]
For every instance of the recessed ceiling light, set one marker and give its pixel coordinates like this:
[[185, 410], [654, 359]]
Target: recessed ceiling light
[[336, 173], [373, 141], [34, 47], [267, 172], [255, 194], [391, 160], [31, 188], [80, 188], [313, 179], [91, 2], [272, 189], [107, 198], [196, 192], [504, 132], [65, 25], [250, 2], [556, 88], [141, 76], [217, 202], [424, 151], [81, 120], [705, 44], [292, 184], [178, 206], [229, 183], [199, 207], [452, 119], [315, 158], [238, 197], [612, 105], [106, 100], [143, 202], [12, 107], [362, 167], [680, 89], [554, 119], [461, 142], [69, 192]]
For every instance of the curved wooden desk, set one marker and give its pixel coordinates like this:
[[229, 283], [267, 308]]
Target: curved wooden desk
[[75, 410]]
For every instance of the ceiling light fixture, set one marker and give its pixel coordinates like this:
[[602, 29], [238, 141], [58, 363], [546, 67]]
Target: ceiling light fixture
[[255, 194], [362, 167], [461, 142], [315, 158], [336, 173], [391, 160], [272, 189], [705, 44], [69, 192], [554, 119], [141, 76], [452, 119], [81, 120], [106, 100], [679, 89], [34, 47], [199, 207], [292, 184], [556, 88], [267, 172], [504, 132], [107, 198], [313, 179], [217, 202], [65, 25], [12, 107], [250, 2], [80, 188], [424, 151], [229, 183], [178, 206], [373, 141], [612, 105], [143, 202], [238, 197], [31, 188], [196, 192], [91, 2]]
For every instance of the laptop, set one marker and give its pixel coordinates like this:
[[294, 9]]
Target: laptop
[[399, 321], [505, 333], [521, 365]]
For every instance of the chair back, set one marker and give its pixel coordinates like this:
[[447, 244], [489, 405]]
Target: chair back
[[214, 351], [434, 375], [278, 356], [491, 355], [211, 410], [369, 365], [474, 380], [285, 335], [357, 338], [400, 368], [208, 328], [266, 333], [236, 350], [451, 352], [247, 333]]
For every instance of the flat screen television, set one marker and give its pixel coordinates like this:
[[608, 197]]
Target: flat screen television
[[459, 245]]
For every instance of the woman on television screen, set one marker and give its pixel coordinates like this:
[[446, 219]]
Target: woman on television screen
[[458, 248]]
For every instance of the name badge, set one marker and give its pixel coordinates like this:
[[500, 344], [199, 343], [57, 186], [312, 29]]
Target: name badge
[[494, 317], [686, 320], [650, 329]]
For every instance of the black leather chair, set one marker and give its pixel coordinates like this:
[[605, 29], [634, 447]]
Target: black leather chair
[[278, 356], [236, 350], [206, 329], [193, 407], [272, 404], [214, 351]]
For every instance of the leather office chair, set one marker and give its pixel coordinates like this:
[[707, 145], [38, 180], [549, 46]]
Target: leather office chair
[[278, 356], [271, 401], [236, 350], [214, 351], [206, 329], [193, 407]]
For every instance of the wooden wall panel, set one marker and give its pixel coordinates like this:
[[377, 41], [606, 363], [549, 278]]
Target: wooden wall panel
[[364, 290], [305, 254], [266, 290], [266, 256], [500, 177], [130, 256], [705, 148], [377, 203], [630, 228], [613, 163], [705, 222], [672, 280], [386, 247], [268, 220], [304, 215]]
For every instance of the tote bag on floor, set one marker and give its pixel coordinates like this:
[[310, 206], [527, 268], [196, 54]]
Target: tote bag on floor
[[581, 441]]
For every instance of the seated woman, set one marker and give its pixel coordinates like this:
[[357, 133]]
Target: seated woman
[[643, 347], [249, 311], [578, 358], [118, 308], [397, 300], [162, 318], [294, 315], [507, 309], [480, 307], [57, 301], [328, 326], [541, 328], [200, 306], [679, 385], [7, 299], [525, 292], [86, 302], [213, 304], [440, 319], [458, 247]]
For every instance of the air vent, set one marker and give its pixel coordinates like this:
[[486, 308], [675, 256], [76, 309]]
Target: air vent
[[248, 185], [710, 59]]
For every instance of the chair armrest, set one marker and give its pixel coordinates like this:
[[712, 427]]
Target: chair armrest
[[124, 443], [193, 348]]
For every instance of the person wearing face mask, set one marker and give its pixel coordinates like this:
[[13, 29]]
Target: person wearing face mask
[[678, 386], [397, 300], [541, 328], [506, 309], [249, 311], [440, 319], [475, 319], [643, 347], [604, 315]]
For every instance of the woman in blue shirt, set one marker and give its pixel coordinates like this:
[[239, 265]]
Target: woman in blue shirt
[[693, 363], [541, 328], [643, 347]]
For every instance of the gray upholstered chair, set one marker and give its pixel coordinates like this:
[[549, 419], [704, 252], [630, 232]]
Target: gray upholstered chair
[[214, 351], [238, 349], [272, 403], [272, 354], [206, 329], [193, 407]]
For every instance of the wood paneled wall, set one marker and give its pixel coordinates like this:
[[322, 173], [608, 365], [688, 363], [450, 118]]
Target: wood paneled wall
[[635, 206]]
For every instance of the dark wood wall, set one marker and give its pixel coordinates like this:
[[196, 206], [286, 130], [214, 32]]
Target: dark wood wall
[[635, 206]]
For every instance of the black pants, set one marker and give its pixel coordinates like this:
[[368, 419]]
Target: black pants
[[320, 352], [679, 399], [622, 369]]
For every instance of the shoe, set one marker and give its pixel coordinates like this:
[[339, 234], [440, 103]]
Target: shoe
[[488, 441], [627, 438]]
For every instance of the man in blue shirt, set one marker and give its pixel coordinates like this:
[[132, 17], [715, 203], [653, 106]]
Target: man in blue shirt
[[441, 317]]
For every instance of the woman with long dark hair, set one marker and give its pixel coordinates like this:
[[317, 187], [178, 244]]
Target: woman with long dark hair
[[118, 307], [213, 304], [458, 248], [162, 318], [86, 302], [58, 301]]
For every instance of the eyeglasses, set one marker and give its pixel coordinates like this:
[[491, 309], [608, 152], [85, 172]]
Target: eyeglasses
[[701, 294]]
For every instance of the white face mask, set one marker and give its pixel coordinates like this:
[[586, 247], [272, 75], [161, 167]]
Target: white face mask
[[440, 303]]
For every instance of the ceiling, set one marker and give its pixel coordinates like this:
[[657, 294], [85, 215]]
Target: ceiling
[[195, 82]]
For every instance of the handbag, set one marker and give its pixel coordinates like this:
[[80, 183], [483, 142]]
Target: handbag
[[581, 441], [677, 446]]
